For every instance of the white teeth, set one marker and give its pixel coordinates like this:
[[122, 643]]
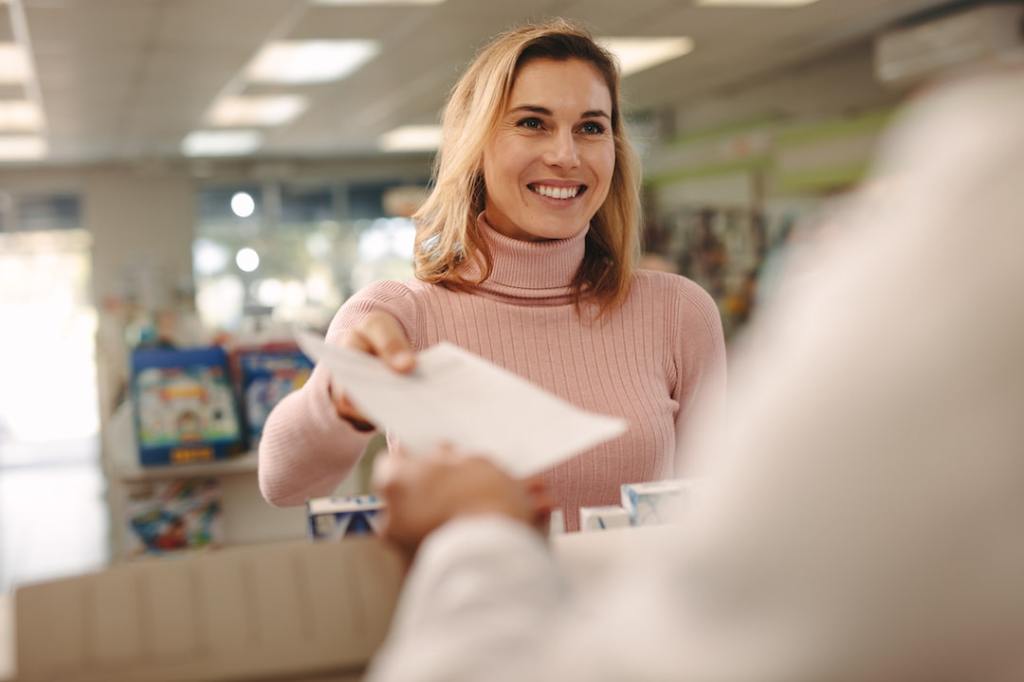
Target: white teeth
[[556, 192]]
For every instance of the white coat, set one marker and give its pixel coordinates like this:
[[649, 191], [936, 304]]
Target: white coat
[[862, 518]]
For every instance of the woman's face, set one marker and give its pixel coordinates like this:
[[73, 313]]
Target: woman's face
[[549, 162]]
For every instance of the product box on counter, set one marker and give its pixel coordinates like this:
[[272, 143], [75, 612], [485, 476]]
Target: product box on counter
[[603, 518], [334, 518], [652, 503]]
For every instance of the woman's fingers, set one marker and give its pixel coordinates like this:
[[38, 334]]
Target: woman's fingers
[[381, 335], [347, 411]]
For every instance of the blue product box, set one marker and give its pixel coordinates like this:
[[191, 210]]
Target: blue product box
[[334, 518], [185, 408], [267, 377]]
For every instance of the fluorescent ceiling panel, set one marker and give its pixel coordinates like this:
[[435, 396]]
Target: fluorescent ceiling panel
[[378, 3], [14, 64], [22, 147], [19, 115], [221, 142], [310, 61], [263, 110], [637, 54], [755, 3], [411, 139]]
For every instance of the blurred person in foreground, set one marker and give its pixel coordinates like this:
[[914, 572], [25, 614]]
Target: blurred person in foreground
[[862, 518], [525, 256]]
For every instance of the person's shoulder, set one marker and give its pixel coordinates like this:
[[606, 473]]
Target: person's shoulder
[[384, 288], [390, 291], [400, 299], [391, 296], [672, 289]]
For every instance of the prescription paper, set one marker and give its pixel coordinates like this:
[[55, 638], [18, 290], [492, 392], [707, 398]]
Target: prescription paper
[[456, 397]]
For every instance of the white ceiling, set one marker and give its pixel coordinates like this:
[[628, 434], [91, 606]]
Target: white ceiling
[[128, 79]]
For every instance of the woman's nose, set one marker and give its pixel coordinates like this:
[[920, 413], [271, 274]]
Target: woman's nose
[[562, 151]]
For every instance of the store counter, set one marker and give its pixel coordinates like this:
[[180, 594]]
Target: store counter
[[6, 638], [289, 611]]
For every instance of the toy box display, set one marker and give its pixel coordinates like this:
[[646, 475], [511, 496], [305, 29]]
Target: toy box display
[[185, 409], [334, 518], [171, 516], [267, 376]]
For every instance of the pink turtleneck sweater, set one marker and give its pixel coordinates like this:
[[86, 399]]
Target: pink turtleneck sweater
[[650, 361]]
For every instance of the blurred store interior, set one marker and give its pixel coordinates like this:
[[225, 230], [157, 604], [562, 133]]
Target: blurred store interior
[[194, 172]]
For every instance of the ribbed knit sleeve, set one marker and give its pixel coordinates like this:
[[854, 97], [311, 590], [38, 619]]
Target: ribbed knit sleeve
[[698, 344], [306, 449]]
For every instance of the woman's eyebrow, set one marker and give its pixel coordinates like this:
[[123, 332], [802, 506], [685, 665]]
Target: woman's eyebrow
[[534, 109]]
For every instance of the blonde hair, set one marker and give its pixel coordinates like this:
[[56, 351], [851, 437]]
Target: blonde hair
[[447, 235]]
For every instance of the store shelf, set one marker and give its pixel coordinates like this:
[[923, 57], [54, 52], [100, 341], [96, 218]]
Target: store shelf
[[123, 462], [241, 464]]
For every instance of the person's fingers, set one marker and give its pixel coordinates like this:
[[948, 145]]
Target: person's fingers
[[385, 473], [543, 502], [356, 340], [535, 483], [395, 469], [387, 341], [346, 410]]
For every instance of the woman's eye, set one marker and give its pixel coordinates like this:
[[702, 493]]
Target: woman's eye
[[533, 123], [592, 128]]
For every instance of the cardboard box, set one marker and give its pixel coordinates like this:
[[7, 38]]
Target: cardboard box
[[334, 518], [603, 518], [653, 503]]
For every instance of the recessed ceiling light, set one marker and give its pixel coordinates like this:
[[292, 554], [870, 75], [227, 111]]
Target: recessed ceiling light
[[264, 110], [310, 61], [221, 143], [20, 115], [14, 64], [637, 54], [411, 139], [377, 2], [247, 259], [22, 147], [755, 3], [242, 204]]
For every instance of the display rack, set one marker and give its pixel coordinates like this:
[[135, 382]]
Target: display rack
[[247, 518]]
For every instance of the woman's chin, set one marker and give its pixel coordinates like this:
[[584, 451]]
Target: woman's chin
[[550, 231]]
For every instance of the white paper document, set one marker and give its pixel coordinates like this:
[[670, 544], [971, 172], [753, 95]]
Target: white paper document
[[456, 397]]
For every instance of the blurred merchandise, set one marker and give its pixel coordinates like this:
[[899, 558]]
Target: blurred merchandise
[[603, 518], [185, 407], [334, 518], [652, 503], [719, 248], [171, 516], [267, 374]]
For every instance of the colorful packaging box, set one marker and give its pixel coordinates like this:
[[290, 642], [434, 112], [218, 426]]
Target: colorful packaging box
[[653, 503], [267, 377], [603, 518], [175, 515], [335, 518], [185, 408]]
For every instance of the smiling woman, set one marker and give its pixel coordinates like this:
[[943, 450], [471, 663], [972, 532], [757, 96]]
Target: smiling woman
[[525, 256], [549, 163]]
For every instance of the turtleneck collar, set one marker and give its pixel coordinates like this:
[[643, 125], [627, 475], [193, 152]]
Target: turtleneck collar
[[542, 270]]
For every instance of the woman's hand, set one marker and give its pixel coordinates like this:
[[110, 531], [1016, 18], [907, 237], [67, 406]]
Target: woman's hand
[[379, 334], [424, 493]]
